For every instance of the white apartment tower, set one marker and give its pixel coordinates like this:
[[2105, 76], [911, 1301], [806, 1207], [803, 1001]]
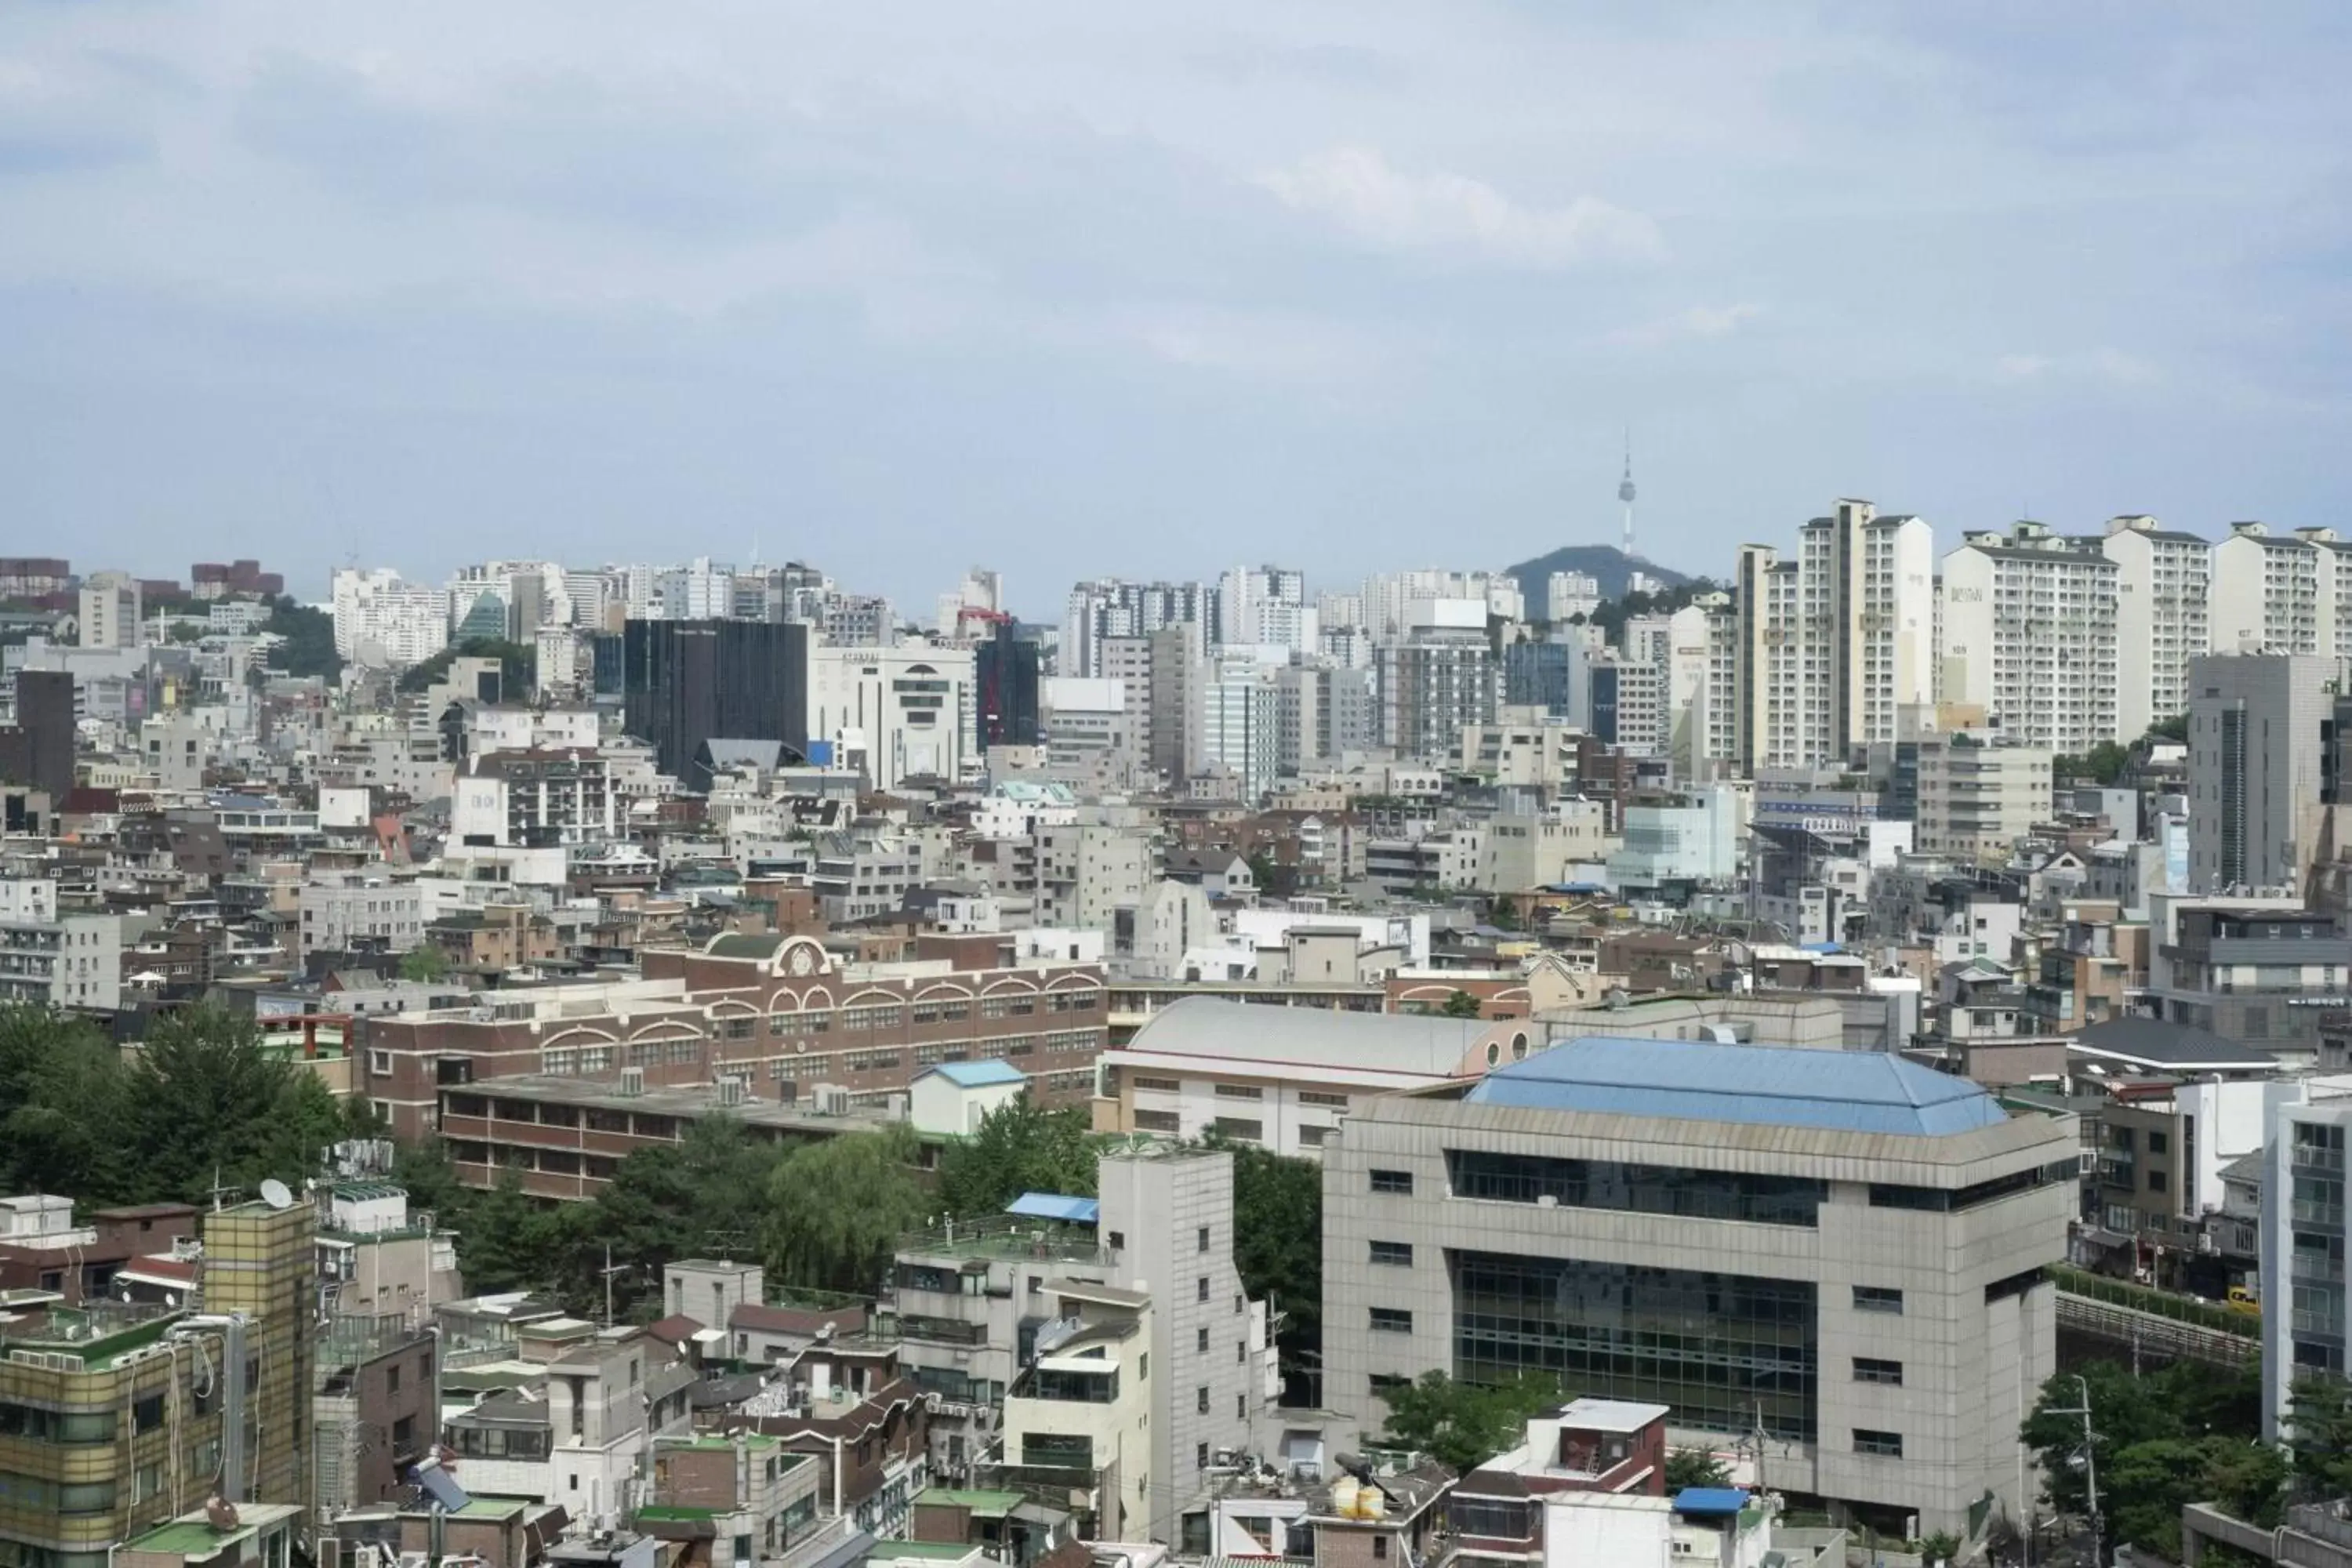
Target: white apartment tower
[[2162, 579], [381, 619], [2278, 592], [2028, 629], [1837, 642]]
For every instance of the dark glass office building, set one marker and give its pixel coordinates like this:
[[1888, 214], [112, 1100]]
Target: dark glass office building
[[1007, 674], [684, 683]]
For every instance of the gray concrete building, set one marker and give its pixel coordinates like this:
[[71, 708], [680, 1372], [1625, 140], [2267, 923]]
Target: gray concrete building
[[2303, 1243], [1843, 1251], [2257, 762]]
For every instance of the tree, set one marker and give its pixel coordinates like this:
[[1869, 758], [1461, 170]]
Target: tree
[[837, 1208], [1940, 1549], [1694, 1467], [1019, 1148], [1463, 1424], [205, 1103], [2319, 1437], [503, 1244], [1279, 1238], [2175, 728], [425, 963], [519, 666], [1461, 1005], [2102, 764], [306, 640], [2179, 1434], [706, 1193]]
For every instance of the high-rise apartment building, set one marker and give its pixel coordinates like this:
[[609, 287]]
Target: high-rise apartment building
[[2259, 770], [381, 619], [1173, 724], [2279, 593], [1265, 605], [2162, 582], [1833, 644], [2029, 636], [1109, 608], [1975, 798]]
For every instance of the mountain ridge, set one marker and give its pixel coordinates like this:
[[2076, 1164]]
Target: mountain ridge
[[1605, 563]]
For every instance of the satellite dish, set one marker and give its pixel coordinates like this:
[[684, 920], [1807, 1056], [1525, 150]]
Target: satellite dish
[[275, 1195]]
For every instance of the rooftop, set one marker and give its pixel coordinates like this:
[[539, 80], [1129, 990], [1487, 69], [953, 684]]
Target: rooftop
[[988, 1504], [1691, 1080], [1210, 1026], [976, 1075], [2154, 1044], [1610, 1415]]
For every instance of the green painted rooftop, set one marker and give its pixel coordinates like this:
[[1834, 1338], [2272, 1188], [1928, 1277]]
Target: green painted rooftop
[[940, 1548]]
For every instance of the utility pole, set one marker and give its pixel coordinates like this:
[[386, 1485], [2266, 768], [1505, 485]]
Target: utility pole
[[2090, 1469], [610, 1269]]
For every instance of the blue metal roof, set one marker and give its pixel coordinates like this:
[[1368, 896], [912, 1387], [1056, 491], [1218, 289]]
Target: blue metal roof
[[1710, 1499], [1053, 1205], [974, 1075], [1771, 1086]]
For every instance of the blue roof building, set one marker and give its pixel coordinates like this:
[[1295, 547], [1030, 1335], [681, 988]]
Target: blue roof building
[[1844, 1250], [1771, 1086]]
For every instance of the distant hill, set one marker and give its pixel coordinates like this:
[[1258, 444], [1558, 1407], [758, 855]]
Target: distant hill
[[1604, 562]]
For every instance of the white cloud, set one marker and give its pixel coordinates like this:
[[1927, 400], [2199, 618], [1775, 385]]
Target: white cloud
[[1699, 321], [1356, 189], [2112, 366]]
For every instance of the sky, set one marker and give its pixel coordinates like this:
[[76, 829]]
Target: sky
[[1075, 289]]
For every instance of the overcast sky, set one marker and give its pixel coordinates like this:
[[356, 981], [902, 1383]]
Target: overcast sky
[[1086, 289]]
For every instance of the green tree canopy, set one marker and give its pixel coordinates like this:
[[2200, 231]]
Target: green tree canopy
[[204, 1103], [837, 1207], [1694, 1467], [309, 640], [2181, 1434], [1460, 1005], [2319, 1436], [1019, 1148], [2102, 764], [425, 961], [1279, 1238], [1463, 1424], [518, 665]]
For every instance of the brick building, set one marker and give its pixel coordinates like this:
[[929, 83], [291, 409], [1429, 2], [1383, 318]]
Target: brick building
[[781, 1015]]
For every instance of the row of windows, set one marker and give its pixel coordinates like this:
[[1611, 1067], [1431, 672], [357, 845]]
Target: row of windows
[[1635, 1188]]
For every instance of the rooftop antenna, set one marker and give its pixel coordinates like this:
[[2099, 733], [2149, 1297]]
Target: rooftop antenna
[[610, 1269], [1625, 490]]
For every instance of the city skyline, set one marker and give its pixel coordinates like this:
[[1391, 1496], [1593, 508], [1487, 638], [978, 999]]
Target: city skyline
[[1208, 286]]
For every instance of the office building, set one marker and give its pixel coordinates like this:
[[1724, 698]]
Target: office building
[[37, 750], [1434, 679], [1007, 702], [892, 712], [2029, 636], [685, 683], [2304, 1237], [365, 914], [1109, 607], [1831, 645], [2162, 581], [2257, 764], [1845, 1249], [109, 610], [1241, 730], [1977, 796], [1172, 722]]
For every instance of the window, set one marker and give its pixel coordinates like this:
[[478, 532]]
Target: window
[[1158, 1121], [1868, 1369], [1157, 1085], [1241, 1406], [1200, 1455], [1391, 1320], [1397, 1182], [1876, 1299], [2156, 1180], [1200, 1400], [2159, 1144], [1241, 1353], [1636, 1188], [1201, 1236], [1117, 1240], [1379, 1548], [1398, 1254], [1200, 1292], [1316, 1097], [1246, 1130], [1886, 1445], [1240, 1091], [1202, 1342]]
